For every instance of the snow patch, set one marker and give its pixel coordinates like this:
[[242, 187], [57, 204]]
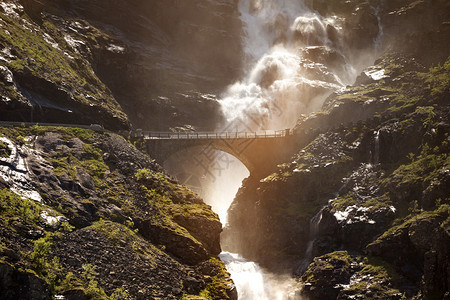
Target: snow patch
[[11, 9], [354, 214], [376, 73], [50, 220], [50, 40], [73, 43], [14, 172]]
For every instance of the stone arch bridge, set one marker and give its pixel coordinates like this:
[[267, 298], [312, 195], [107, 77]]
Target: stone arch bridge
[[258, 151]]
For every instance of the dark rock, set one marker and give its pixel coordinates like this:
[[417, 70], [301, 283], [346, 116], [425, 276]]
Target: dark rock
[[16, 284], [76, 294]]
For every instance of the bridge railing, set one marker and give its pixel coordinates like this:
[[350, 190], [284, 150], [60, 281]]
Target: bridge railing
[[215, 135]]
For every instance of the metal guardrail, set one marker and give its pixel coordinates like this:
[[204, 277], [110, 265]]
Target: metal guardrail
[[213, 135], [149, 135]]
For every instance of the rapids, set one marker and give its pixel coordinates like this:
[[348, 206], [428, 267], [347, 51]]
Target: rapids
[[294, 59]]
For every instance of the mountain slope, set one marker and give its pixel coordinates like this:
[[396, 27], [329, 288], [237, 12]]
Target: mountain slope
[[85, 214]]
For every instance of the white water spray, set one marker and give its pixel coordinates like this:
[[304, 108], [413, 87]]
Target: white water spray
[[251, 281], [284, 78], [282, 42], [294, 58]]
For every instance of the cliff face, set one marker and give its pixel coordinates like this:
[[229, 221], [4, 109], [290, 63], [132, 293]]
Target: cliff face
[[365, 198], [87, 215], [91, 61]]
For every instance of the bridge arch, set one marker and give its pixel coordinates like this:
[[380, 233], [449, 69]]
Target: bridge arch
[[162, 150], [259, 155]]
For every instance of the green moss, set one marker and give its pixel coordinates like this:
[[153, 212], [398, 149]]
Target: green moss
[[13, 206], [442, 211], [18, 133], [341, 256], [327, 262], [438, 78], [220, 282], [5, 151], [171, 200], [122, 235], [54, 64], [376, 276], [342, 202], [422, 170], [380, 269]]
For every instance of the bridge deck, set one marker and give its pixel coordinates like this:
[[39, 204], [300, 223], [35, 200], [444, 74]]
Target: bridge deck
[[149, 135]]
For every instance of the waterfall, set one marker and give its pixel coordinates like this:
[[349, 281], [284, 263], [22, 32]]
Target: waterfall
[[251, 281], [313, 230], [376, 154], [294, 59], [378, 39]]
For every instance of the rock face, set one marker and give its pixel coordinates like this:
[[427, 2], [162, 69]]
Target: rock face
[[75, 61], [370, 178], [104, 222]]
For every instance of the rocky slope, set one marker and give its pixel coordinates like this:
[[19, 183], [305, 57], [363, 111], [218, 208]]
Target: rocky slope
[[86, 215], [76, 61], [366, 197]]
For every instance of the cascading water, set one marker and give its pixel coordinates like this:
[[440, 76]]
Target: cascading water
[[313, 230], [294, 58], [379, 39], [285, 77], [376, 154]]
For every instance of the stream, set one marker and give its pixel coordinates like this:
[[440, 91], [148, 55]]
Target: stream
[[294, 58], [282, 81]]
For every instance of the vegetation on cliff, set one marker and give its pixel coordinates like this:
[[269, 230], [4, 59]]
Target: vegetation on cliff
[[371, 181], [47, 68], [103, 215]]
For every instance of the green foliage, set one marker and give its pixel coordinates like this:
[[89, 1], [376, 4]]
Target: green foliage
[[5, 151], [54, 64], [438, 78], [122, 235], [376, 276], [427, 115], [48, 268], [38, 257], [219, 283], [119, 294], [423, 169], [91, 284], [13, 206]]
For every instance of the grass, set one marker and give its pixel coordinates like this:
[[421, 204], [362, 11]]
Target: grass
[[120, 234], [220, 282], [40, 59], [5, 151], [376, 276], [443, 211], [13, 206]]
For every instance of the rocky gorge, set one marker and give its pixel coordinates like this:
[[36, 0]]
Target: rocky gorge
[[358, 210]]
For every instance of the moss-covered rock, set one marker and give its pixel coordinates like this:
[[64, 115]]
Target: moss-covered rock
[[105, 214], [375, 157], [43, 68], [338, 275]]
